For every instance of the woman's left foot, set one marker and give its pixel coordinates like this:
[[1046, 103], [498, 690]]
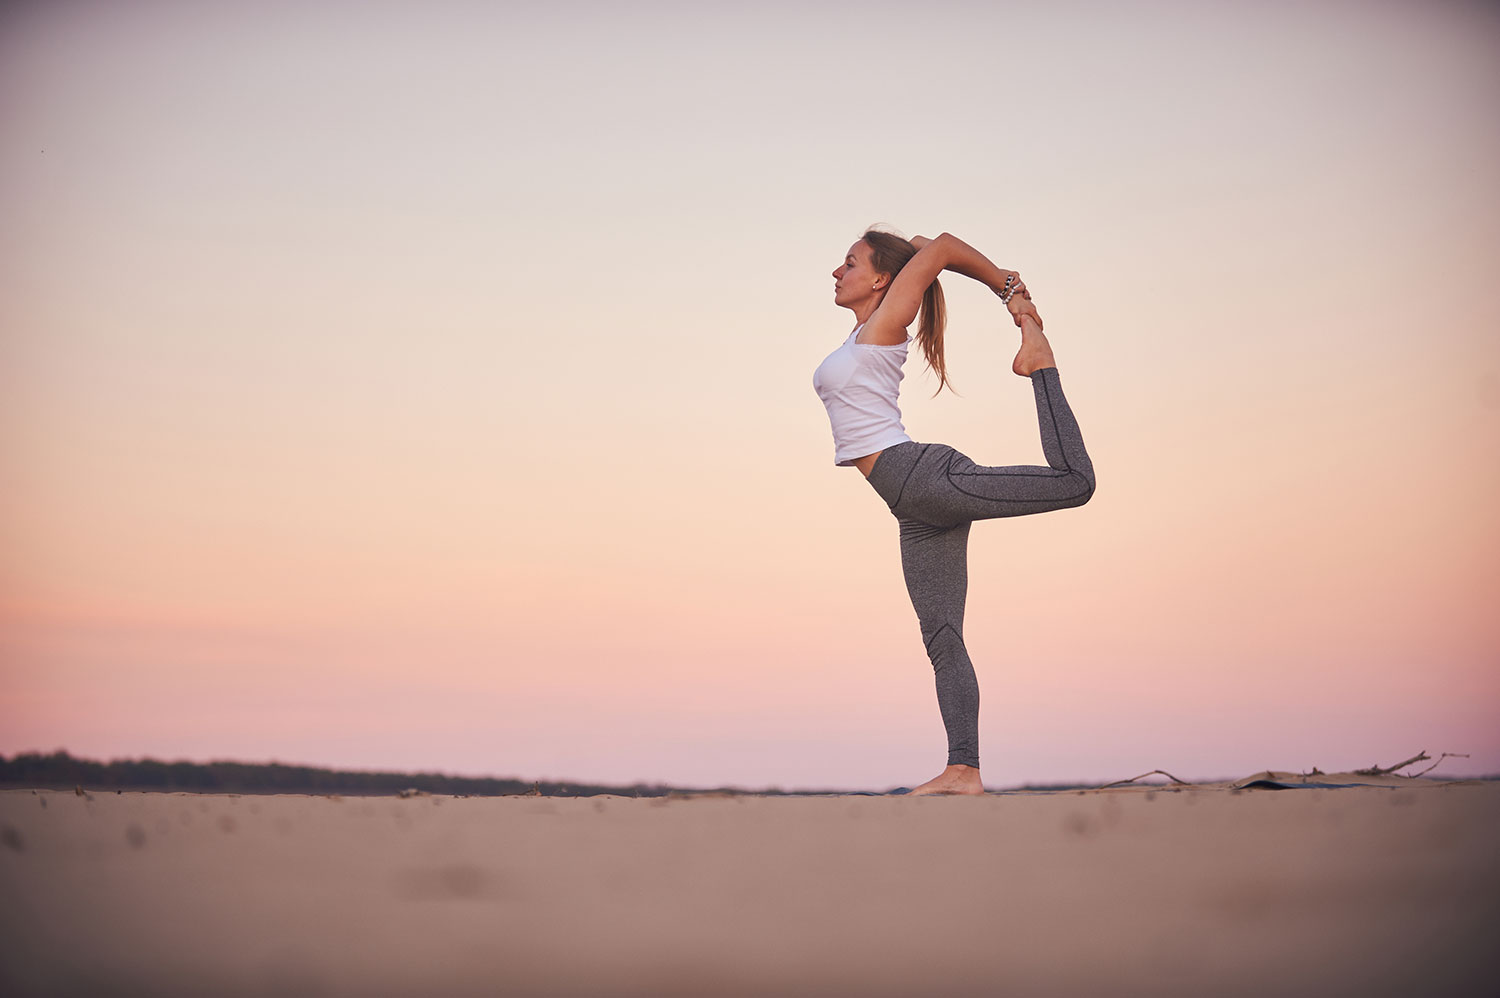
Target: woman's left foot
[[953, 780]]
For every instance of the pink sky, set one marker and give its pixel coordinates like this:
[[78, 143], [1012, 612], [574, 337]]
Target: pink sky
[[429, 387]]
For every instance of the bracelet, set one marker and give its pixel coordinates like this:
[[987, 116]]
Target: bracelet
[[1005, 292]]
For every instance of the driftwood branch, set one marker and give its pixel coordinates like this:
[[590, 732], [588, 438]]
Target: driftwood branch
[[1154, 772], [1378, 771], [1445, 755], [1372, 771]]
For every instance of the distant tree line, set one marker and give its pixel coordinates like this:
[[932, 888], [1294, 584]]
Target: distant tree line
[[60, 771]]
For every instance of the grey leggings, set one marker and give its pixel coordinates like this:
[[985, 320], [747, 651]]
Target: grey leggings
[[935, 493]]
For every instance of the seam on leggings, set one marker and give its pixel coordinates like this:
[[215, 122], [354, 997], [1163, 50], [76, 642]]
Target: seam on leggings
[[1065, 472], [902, 491], [1049, 473], [995, 499], [1057, 474], [1047, 391], [991, 473], [946, 627], [1052, 411]]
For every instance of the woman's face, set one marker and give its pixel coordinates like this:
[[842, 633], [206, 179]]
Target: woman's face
[[856, 279]]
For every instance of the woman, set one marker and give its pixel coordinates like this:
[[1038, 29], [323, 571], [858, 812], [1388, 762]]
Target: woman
[[934, 491]]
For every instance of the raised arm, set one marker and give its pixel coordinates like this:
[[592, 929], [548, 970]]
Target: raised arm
[[898, 309], [968, 261]]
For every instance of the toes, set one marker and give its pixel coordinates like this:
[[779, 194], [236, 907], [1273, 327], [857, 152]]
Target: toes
[[1020, 308]]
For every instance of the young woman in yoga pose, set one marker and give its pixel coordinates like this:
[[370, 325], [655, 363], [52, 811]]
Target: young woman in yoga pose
[[935, 492]]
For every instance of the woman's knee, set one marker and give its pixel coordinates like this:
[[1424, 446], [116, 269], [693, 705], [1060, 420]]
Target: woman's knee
[[944, 642], [1083, 480]]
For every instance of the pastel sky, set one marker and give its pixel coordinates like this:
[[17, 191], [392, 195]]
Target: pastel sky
[[428, 385]]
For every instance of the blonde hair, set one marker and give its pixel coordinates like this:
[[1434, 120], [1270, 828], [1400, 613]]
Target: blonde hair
[[888, 254]]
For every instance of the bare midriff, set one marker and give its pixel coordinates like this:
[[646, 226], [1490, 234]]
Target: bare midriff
[[867, 463]]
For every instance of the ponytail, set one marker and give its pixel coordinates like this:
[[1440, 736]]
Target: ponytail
[[932, 320], [888, 254]]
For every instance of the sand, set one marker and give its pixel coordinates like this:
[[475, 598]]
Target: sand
[[1378, 890]]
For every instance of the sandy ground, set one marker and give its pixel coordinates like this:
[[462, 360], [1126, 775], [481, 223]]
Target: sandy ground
[[1389, 890]]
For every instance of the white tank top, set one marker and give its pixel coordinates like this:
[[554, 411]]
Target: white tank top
[[858, 384]]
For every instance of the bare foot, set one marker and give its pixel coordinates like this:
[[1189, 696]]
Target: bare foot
[[1020, 306], [1035, 352], [956, 779]]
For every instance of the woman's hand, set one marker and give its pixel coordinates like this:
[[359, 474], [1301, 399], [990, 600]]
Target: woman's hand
[[919, 241]]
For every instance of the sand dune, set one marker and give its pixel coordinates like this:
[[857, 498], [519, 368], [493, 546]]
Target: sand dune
[[1375, 890]]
